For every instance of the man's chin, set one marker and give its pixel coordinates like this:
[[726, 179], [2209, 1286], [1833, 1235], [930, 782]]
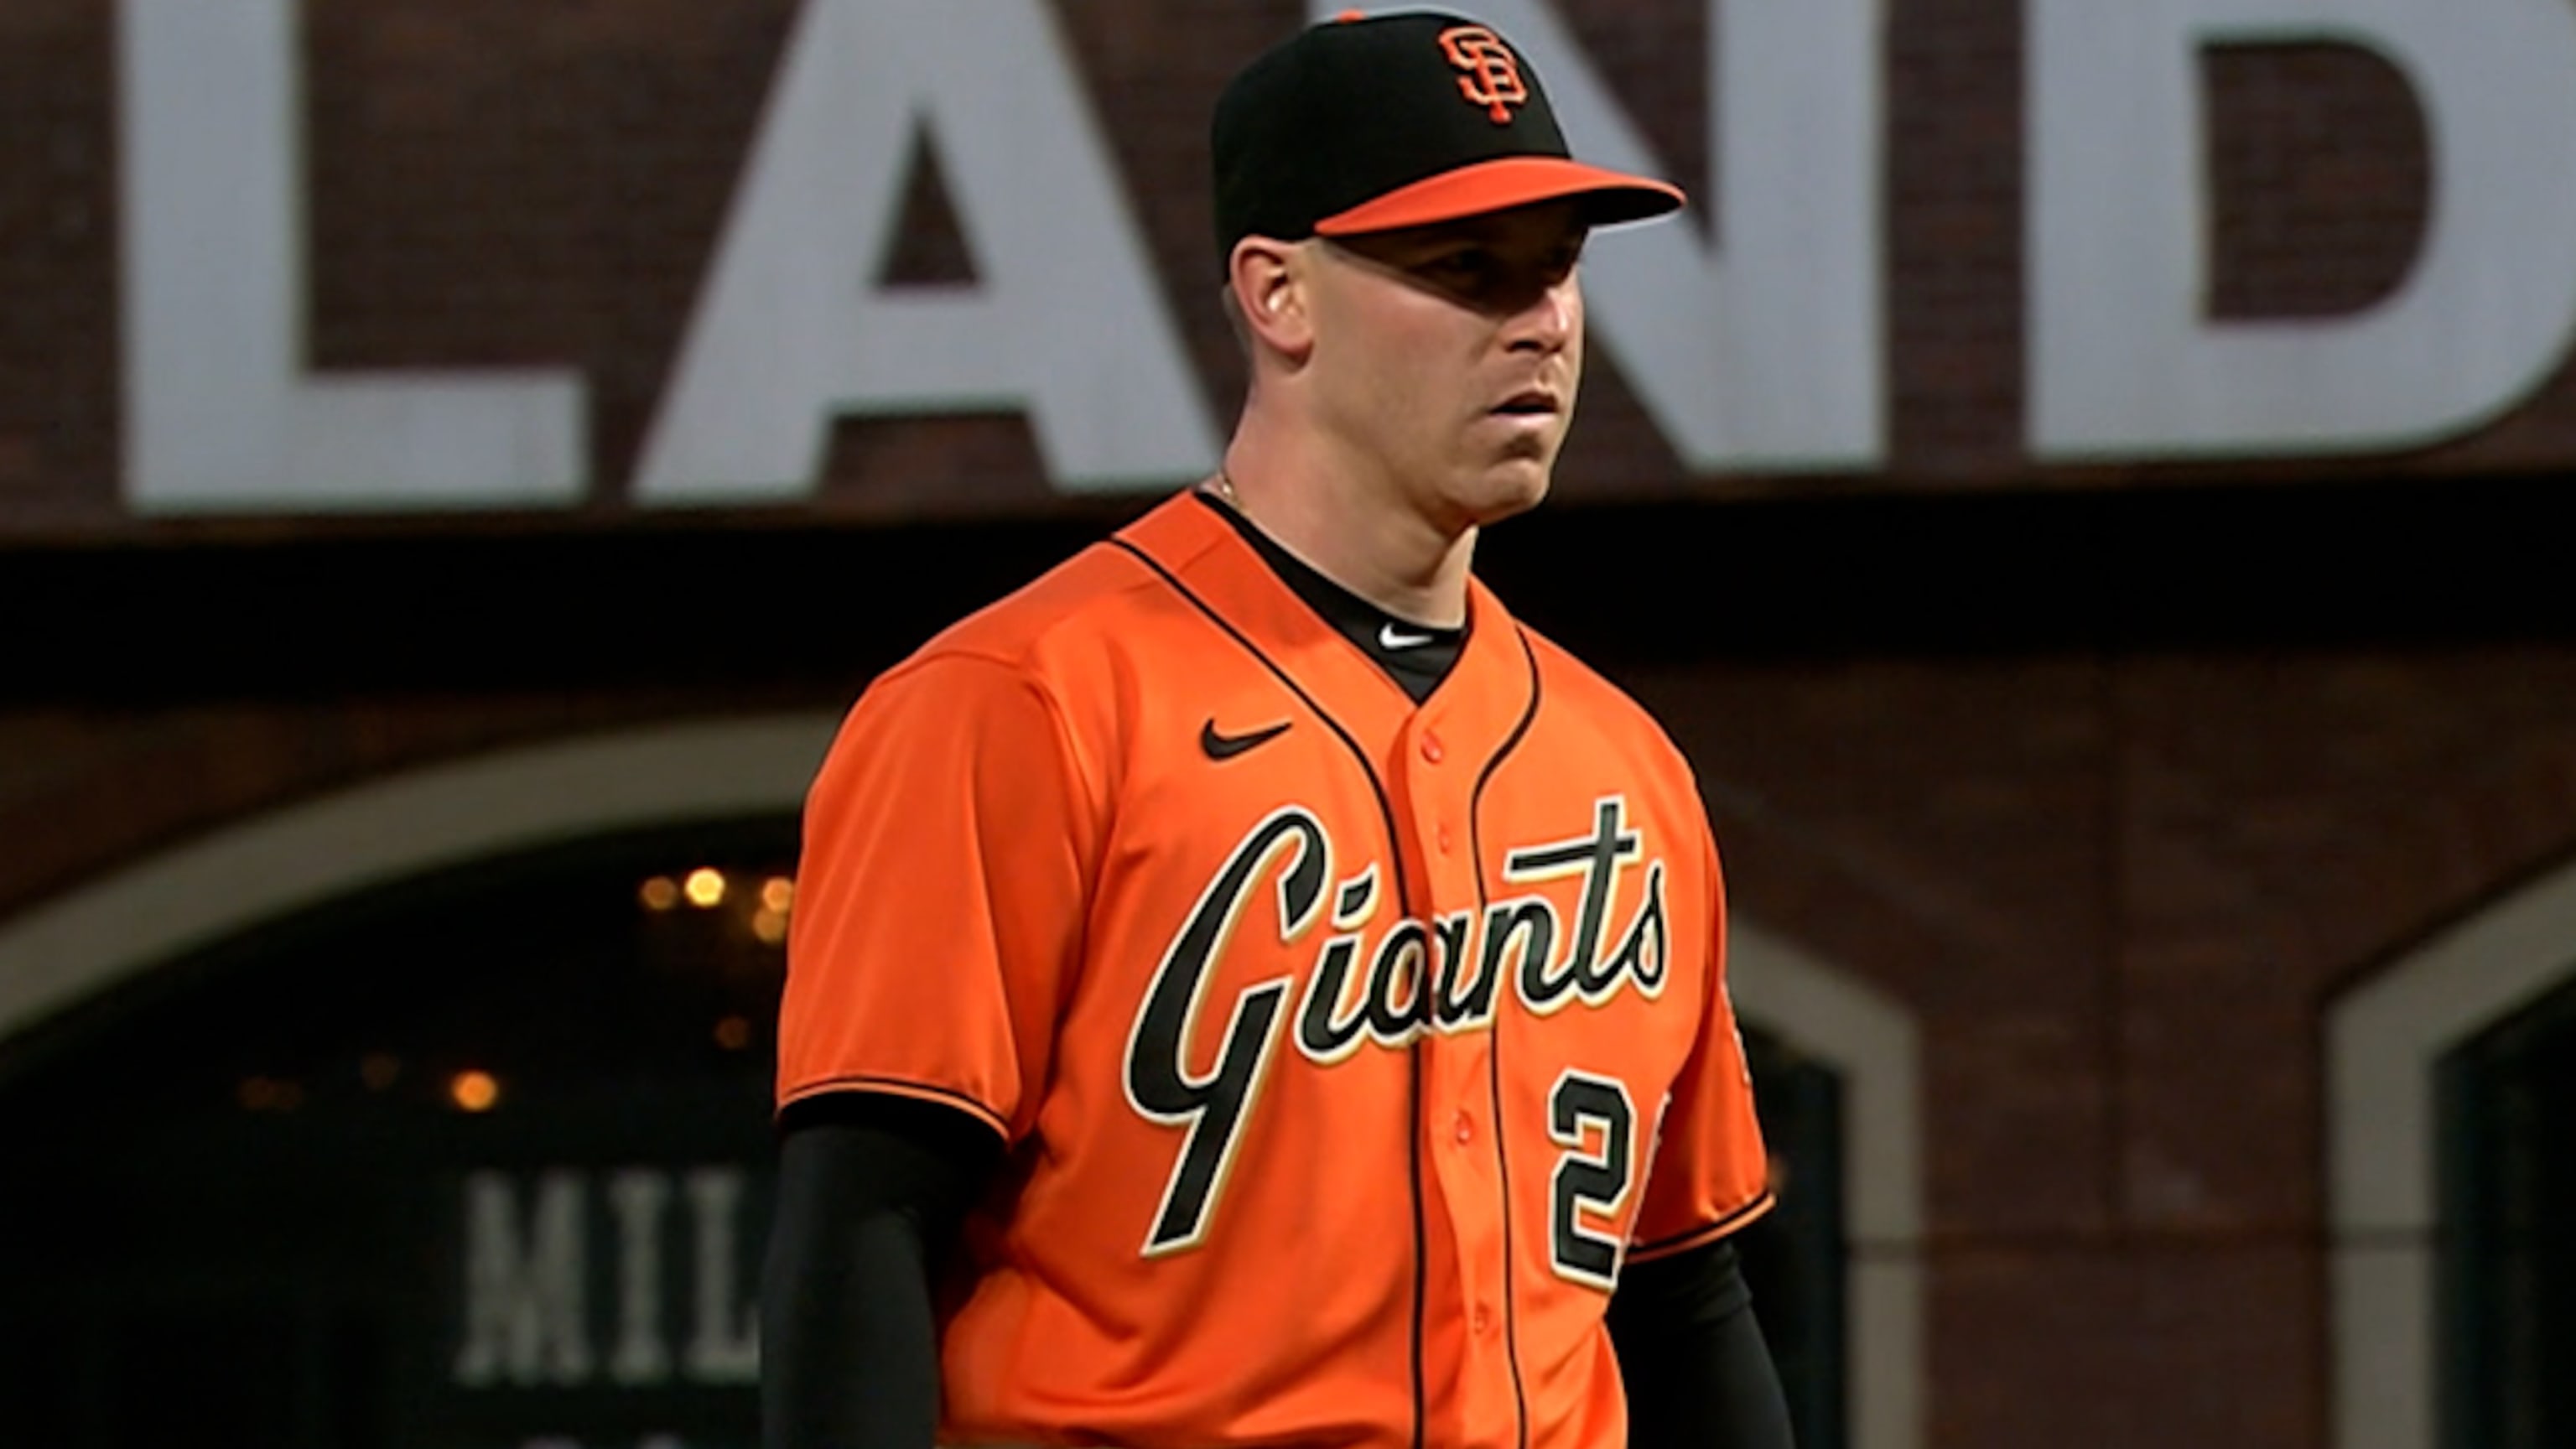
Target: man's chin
[[1513, 488]]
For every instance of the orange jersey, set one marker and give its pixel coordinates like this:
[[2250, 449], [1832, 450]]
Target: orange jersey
[[1345, 1047]]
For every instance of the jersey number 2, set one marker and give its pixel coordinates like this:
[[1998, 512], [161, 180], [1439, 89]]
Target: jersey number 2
[[1592, 1177]]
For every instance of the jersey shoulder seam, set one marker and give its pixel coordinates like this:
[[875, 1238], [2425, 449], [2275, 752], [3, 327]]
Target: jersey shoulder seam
[[1020, 664], [957, 642]]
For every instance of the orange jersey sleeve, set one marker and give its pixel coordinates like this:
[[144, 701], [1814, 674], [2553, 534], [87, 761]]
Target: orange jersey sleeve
[[1710, 1174], [939, 905]]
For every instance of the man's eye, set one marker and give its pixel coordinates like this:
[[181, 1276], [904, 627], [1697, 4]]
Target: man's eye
[[1461, 264]]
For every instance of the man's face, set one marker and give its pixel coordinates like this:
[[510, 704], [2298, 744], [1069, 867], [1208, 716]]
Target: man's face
[[1448, 356]]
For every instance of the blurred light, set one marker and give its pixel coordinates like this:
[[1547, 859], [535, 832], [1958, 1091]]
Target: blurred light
[[267, 1094], [378, 1069], [1779, 1175], [778, 893], [733, 1033], [769, 926], [474, 1091], [706, 887], [660, 893]]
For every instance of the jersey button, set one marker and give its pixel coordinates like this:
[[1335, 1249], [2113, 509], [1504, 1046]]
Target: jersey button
[[1464, 1129], [1431, 749], [1482, 1319], [1444, 837]]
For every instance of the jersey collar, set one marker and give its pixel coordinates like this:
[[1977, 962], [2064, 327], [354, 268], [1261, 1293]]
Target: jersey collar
[[1474, 710]]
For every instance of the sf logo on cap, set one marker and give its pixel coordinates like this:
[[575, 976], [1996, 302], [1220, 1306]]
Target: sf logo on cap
[[1493, 73]]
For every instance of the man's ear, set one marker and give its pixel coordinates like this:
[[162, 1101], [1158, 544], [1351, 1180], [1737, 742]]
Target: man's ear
[[1269, 280]]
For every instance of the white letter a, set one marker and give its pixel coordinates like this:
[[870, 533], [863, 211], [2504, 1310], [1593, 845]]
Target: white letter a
[[1064, 321]]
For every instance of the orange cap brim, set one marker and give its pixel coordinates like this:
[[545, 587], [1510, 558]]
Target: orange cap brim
[[1501, 184]]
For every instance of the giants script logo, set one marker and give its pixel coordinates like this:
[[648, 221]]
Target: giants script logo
[[1442, 975], [1493, 73]]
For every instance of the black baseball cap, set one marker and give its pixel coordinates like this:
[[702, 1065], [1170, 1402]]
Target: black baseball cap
[[1372, 122]]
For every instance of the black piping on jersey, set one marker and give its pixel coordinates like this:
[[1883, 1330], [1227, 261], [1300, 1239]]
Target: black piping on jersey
[[1708, 1230], [1494, 1042], [899, 1087], [1405, 902], [1418, 668]]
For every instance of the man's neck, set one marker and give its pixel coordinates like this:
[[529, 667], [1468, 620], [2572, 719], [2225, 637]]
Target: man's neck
[[1408, 565]]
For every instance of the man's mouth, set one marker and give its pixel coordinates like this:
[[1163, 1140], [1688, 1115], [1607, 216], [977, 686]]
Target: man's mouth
[[1532, 403]]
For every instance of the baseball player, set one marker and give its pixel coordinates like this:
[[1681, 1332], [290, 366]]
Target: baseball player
[[1245, 988]]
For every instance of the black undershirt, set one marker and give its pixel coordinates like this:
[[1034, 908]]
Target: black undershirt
[[1416, 656]]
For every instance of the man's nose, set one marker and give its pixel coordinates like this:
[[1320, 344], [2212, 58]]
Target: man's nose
[[1547, 321]]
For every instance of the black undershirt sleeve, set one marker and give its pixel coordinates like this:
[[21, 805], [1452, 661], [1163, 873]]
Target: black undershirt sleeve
[[1691, 1354], [871, 1190]]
